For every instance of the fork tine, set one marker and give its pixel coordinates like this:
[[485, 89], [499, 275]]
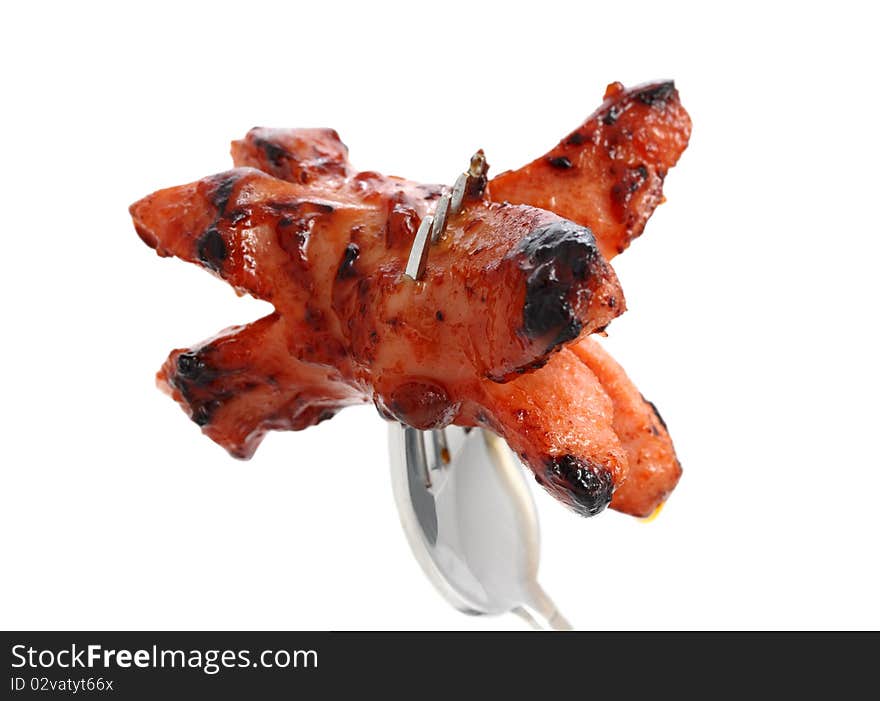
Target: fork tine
[[441, 448], [418, 255]]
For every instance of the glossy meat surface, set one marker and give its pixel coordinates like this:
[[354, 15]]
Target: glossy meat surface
[[479, 340], [654, 469], [608, 173]]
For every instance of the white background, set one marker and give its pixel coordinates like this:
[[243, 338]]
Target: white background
[[752, 310]]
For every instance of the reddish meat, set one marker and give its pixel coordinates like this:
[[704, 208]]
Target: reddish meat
[[478, 340], [608, 173], [654, 469]]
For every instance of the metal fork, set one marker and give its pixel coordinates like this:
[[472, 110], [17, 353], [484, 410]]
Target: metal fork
[[463, 500]]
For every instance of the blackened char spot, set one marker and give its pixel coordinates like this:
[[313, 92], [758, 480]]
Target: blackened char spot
[[656, 413], [275, 153], [557, 256], [203, 413], [237, 215], [588, 487], [547, 308], [191, 366], [212, 249], [223, 191], [611, 115], [656, 94], [629, 184], [560, 162], [346, 267]]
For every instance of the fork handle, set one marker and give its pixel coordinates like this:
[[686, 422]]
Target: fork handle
[[540, 612]]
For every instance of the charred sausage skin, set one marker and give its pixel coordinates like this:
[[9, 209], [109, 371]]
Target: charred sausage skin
[[480, 340], [608, 173]]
